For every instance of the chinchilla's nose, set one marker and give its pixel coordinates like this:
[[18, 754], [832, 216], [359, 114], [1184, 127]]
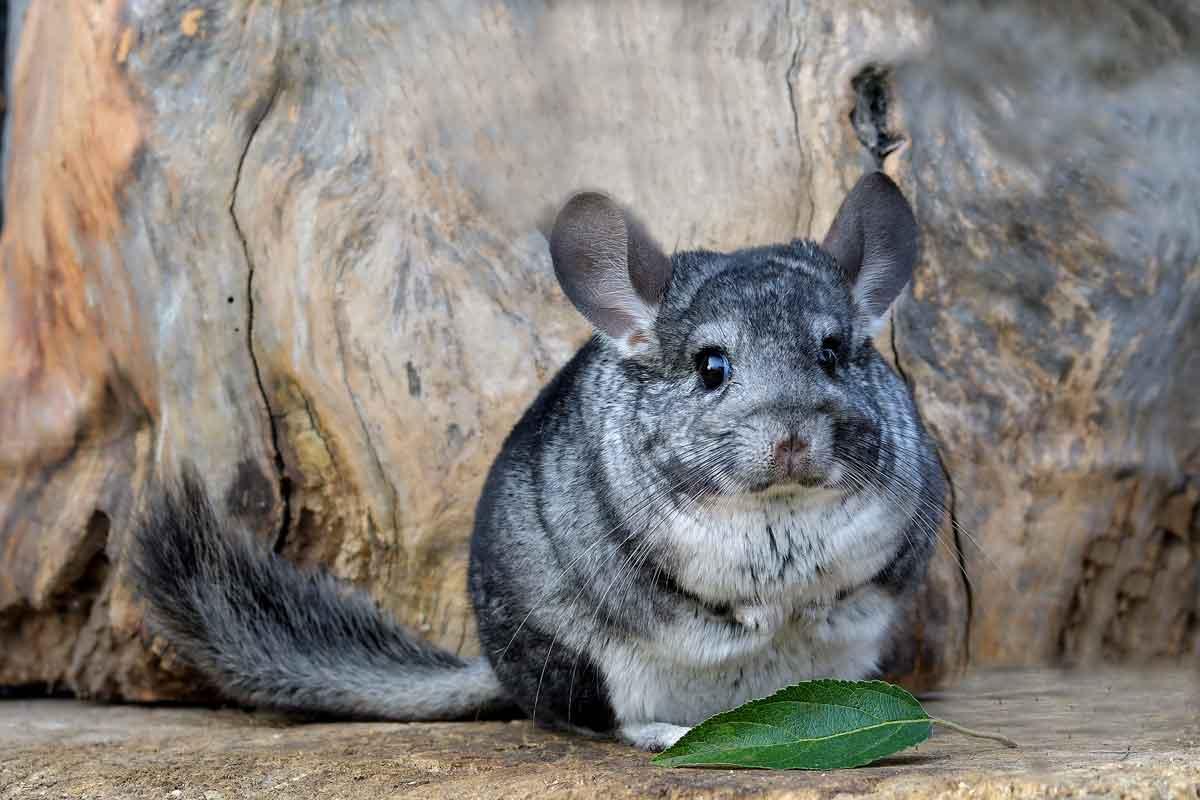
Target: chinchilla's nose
[[789, 453]]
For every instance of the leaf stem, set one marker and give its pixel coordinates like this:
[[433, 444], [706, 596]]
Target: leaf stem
[[954, 726]]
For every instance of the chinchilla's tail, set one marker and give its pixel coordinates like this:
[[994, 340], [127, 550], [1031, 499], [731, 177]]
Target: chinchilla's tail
[[268, 634]]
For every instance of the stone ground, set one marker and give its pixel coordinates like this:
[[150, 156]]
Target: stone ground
[[1118, 734]]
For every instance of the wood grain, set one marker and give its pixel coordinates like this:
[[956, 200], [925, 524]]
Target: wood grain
[[299, 245]]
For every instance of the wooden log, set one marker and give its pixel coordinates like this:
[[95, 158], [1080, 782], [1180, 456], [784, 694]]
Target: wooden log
[[1053, 337], [298, 245]]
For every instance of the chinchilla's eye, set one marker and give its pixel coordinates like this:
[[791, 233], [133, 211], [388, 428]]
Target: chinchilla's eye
[[828, 357], [713, 367]]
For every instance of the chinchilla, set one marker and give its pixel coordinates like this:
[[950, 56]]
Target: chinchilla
[[725, 491]]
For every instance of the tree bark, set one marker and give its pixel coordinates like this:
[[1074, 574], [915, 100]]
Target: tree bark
[[298, 244], [1053, 336]]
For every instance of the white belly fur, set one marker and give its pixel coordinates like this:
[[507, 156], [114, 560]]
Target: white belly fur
[[792, 629]]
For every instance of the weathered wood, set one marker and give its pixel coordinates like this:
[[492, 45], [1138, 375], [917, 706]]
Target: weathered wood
[[1115, 734], [1054, 336], [298, 244]]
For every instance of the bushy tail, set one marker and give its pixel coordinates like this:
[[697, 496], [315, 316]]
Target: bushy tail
[[269, 634]]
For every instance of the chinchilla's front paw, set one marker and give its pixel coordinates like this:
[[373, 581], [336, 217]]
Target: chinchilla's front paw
[[761, 619], [652, 736]]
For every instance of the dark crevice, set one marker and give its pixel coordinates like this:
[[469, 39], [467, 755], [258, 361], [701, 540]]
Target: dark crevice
[[869, 117], [802, 229], [300, 537], [960, 554], [4, 98], [80, 588], [82, 578], [896, 354], [951, 509], [285, 484], [33, 691]]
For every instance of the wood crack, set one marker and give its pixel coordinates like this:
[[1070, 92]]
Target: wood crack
[[951, 510], [805, 228], [280, 466]]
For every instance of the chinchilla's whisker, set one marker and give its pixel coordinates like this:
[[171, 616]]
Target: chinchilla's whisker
[[864, 483], [646, 546], [905, 475], [646, 504], [694, 476], [890, 487], [929, 528], [628, 569]]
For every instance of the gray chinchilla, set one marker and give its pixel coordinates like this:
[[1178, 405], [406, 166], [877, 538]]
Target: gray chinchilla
[[725, 491]]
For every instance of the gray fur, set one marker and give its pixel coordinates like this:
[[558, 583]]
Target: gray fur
[[874, 240], [643, 556], [268, 634], [635, 542]]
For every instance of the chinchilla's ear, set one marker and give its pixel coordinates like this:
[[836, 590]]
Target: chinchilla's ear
[[874, 239], [610, 268]]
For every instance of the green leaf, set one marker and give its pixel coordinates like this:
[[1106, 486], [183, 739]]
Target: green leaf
[[822, 724]]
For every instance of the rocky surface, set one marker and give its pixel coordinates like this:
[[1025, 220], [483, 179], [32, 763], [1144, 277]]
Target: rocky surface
[[1099, 735], [299, 246]]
